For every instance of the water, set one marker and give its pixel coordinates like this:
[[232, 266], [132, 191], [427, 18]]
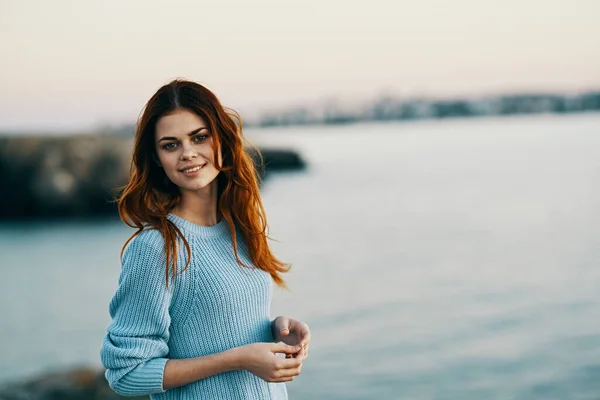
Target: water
[[452, 260]]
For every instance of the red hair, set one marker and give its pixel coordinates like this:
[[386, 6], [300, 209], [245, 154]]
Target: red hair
[[149, 196]]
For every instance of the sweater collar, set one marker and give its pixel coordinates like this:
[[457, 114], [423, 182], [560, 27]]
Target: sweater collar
[[200, 230]]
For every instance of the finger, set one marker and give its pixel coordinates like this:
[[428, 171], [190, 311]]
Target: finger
[[281, 347], [290, 363], [302, 331], [301, 355], [305, 351], [289, 372], [304, 335], [283, 325], [283, 379]]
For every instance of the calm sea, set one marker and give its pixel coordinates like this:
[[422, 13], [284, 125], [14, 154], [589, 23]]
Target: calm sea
[[432, 260]]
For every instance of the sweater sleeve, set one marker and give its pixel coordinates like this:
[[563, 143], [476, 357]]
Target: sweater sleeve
[[135, 348]]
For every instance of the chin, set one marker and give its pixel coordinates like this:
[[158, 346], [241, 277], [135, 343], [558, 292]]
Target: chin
[[196, 185], [199, 183], [195, 188]]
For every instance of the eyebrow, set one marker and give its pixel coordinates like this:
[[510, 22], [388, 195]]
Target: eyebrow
[[189, 134]]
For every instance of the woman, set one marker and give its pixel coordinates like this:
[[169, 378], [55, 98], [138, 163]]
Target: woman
[[190, 317]]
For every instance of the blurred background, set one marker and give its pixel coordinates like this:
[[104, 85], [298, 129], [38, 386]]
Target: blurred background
[[433, 181]]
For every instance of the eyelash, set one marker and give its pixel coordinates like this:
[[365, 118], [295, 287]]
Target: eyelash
[[203, 138]]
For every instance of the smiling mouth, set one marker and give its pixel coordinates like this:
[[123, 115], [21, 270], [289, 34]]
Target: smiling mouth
[[192, 169]]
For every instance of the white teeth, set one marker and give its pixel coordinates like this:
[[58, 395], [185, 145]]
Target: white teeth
[[191, 169]]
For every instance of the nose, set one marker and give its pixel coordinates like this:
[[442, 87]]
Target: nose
[[188, 152]]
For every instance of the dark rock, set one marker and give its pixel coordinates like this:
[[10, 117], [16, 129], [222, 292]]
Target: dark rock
[[78, 176], [74, 384], [278, 160]]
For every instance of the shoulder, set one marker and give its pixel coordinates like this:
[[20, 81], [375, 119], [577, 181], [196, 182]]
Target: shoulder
[[149, 237], [147, 251], [145, 248]]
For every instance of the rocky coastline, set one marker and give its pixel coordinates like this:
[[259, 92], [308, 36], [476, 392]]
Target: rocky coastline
[[74, 384], [77, 176]]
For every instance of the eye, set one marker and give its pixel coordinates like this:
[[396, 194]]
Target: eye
[[169, 146], [199, 138]]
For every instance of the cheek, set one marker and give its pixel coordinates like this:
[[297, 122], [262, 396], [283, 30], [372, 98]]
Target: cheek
[[165, 159], [168, 165]]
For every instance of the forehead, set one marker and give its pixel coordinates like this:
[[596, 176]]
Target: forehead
[[178, 124]]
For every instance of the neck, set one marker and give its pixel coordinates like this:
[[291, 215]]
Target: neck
[[199, 207]]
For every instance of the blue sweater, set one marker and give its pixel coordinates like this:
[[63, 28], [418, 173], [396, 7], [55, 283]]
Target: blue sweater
[[212, 306]]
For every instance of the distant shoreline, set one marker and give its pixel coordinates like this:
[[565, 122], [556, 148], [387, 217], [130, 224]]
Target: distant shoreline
[[384, 109], [423, 108]]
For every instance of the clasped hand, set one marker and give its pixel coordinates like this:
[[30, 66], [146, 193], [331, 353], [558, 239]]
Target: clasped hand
[[292, 338], [261, 359], [292, 332]]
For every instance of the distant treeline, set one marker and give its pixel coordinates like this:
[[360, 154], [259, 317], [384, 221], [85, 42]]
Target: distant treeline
[[393, 109]]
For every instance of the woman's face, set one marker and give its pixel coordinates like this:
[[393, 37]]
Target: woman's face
[[184, 146]]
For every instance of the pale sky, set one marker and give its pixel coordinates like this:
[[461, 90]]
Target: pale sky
[[75, 64]]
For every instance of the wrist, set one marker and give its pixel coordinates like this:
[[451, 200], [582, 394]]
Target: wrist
[[237, 359]]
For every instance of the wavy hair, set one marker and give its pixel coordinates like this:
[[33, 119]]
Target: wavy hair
[[149, 196]]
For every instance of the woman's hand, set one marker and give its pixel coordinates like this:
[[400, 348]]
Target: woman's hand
[[260, 359], [292, 332]]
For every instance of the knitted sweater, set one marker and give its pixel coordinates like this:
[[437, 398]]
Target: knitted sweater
[[212, 306]]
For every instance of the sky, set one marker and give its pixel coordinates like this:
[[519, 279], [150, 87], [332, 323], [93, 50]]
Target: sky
[[75, 64]]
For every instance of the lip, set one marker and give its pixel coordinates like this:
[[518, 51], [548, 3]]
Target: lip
[[191, 166]]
